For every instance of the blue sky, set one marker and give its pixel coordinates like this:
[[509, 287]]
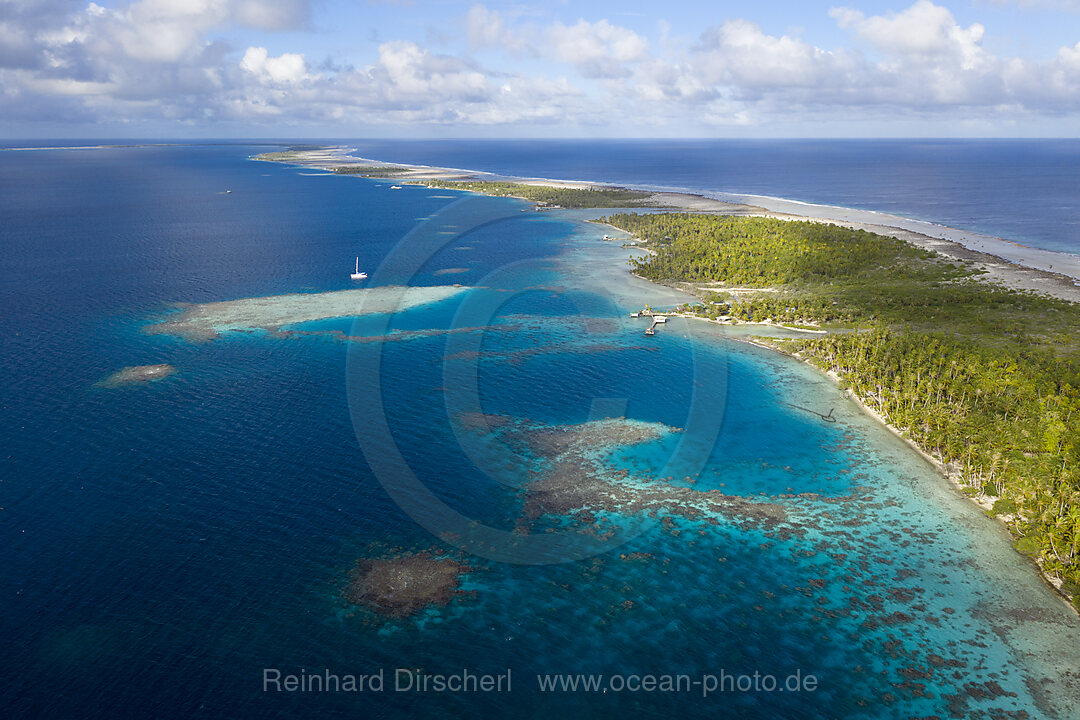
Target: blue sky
[[443, 68]]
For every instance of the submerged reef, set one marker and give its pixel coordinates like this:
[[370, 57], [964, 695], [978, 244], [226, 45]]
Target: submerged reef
[[136, 374], [207, 321], [402, 585], [573, 478]]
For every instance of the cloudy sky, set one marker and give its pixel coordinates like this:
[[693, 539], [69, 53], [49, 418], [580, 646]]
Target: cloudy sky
[[442, 68]]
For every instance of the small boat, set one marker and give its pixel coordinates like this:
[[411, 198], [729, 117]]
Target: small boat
[[395, 187], [634, 315], [228, 191], [650, 331], [357, 275]]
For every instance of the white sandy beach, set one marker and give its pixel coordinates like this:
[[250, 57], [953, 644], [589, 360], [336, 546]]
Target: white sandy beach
[[207, 320]]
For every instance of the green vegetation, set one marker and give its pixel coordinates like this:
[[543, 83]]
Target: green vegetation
[[983, 378], [282, 156], [550, 196], [759, 251], [290, 154], [1005, 414], [371, 171]]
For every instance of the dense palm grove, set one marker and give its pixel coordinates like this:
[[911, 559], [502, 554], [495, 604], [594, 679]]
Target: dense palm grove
[[564, 197], [371, 171], [983, 378], [758, 251]]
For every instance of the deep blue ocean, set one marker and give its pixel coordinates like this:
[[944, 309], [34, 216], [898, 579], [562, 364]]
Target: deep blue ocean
[[165, 543], [1021, 190]]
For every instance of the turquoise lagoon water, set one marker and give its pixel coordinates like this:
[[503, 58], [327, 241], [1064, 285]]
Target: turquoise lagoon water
[[166, 542]]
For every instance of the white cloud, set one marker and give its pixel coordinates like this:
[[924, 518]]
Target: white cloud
[[923, 30], [285, 69], [488, 28], [928, 59], [407, 84], [739, 53], [408, 72], [599, 49], [164, 59], [1068, 5], [66, 86]]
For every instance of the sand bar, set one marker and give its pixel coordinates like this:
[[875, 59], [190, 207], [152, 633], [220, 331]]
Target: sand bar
[[137, 374], [208, 320]]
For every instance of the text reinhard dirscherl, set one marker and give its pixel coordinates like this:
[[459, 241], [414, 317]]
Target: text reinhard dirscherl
[[275, 680], [404, 680]]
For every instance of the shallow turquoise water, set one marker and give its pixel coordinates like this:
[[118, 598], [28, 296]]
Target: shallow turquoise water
[[167, 542]]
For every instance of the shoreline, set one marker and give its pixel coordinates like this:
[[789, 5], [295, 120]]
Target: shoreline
[[1003, 262], [953, 478], [950, 475], [947, 473]]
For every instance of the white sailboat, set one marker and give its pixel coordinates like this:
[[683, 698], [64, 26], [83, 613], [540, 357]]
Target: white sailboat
[[357, 275]]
